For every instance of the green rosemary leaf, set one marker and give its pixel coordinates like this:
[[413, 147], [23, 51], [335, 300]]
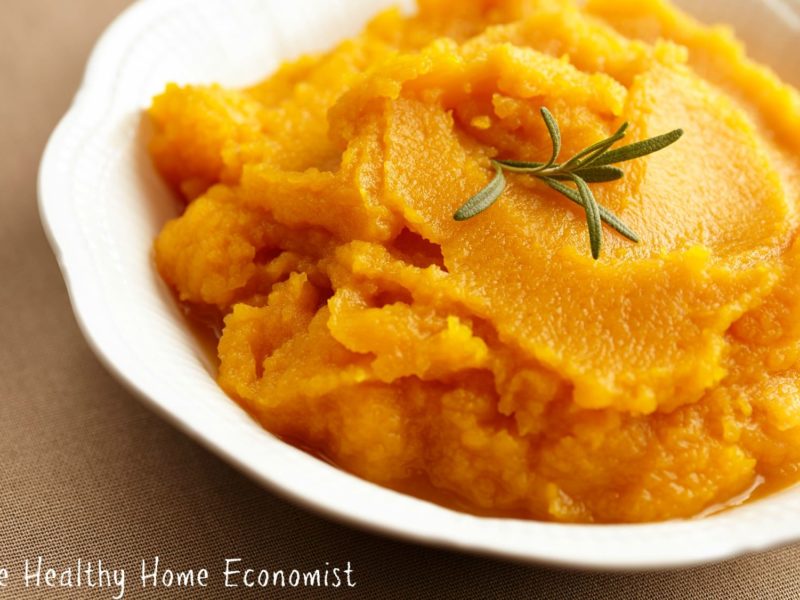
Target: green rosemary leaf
[[536, 167], [483, 199], [592, 216], [596, 149], [518, 166], [600, 174], [608, 217], [590, 165], [639, 149], [555, 136]]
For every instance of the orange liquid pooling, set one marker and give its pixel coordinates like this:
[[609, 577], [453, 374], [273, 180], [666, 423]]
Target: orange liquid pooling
[[491, 365], [207, 331]]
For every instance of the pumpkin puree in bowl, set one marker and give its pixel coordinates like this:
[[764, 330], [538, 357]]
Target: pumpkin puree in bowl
[[493, 361]]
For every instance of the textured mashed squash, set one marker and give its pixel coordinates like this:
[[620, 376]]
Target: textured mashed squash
[[492, 363]]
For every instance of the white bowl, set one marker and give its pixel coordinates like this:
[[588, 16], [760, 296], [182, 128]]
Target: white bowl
[[102, 204]]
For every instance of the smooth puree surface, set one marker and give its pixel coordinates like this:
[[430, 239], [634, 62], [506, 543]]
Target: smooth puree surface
[[493, 361]]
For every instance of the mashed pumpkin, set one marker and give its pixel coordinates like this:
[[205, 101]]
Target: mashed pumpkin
[[492, 363]]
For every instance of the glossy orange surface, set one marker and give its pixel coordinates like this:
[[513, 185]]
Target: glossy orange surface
[[493, 360]]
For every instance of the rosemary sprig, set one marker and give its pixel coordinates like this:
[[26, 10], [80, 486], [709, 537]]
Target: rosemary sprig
[[593, 164]]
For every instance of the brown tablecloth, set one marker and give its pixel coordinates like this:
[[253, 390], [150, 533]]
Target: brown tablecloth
[[87, 472]]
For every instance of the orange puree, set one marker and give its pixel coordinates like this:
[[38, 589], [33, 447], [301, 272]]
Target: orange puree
[[492, 360]]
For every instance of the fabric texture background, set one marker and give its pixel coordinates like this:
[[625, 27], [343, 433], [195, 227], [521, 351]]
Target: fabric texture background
[[86, 471]]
